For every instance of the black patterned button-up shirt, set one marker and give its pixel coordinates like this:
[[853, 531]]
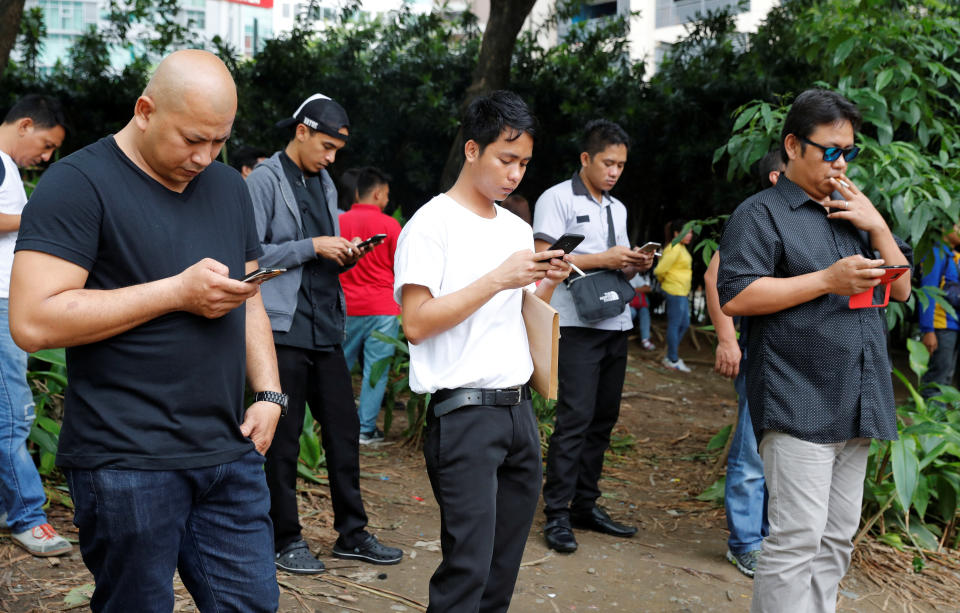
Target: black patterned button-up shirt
[[818, 371]]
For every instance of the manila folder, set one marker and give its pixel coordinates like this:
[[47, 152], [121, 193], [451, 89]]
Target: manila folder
[[543, 334]]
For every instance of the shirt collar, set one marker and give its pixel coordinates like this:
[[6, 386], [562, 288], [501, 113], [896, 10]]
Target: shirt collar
[[794, 194], [580, 189], [362, 206]]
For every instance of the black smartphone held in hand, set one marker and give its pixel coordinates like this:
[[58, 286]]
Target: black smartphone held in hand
[[262, 274], [374, 240], [566, 243]]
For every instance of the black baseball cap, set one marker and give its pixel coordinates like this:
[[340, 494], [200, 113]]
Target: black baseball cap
[[320, 113]]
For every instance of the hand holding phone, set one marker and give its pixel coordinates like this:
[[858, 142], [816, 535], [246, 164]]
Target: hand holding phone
[[890, 274], [373, 241], [566, 243], [650, 247], [262, 274]]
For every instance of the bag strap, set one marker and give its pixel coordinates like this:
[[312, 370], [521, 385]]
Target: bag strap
[[611, 233]]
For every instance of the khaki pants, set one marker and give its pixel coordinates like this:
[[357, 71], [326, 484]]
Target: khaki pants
[[816, 491]]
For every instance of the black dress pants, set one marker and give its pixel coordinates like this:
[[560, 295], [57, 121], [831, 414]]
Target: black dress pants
[[485, 470], [320, 379], [592, 365]]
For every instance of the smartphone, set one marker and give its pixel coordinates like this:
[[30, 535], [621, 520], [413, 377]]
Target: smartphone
[[376, 239], [866, 299], [893, 272], [651, 247], [262, 274], [567, 243]]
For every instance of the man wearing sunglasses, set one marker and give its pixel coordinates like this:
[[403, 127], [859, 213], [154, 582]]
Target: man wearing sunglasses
[[818, 377]]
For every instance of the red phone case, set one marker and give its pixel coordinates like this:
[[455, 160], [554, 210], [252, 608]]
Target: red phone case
[[865, 299]]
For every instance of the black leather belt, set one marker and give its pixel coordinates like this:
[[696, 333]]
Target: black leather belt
[[447, 400]]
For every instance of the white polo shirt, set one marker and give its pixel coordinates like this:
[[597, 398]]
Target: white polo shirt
[[12, 200], [568, 208], [445, 247]]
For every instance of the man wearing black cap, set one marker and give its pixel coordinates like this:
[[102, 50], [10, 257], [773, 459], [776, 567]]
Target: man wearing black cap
[[295, 204]]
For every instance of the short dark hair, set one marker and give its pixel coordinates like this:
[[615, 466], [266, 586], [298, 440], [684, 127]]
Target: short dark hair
[[674, 226], [600, 134], [771, 162], [816, 107], [489, 116], [45, 111], [247, 156], [347, 189], [370, 178]]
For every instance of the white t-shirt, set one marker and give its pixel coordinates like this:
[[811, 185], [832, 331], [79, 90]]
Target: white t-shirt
[[446, 247], [12, 201]]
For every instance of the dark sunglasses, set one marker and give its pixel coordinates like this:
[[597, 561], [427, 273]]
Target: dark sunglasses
[[830, 154]]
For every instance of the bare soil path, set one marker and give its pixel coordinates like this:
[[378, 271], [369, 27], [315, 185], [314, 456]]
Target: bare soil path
[[674, 564]]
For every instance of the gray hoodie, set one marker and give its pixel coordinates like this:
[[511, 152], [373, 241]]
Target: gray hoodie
[[280, 230]]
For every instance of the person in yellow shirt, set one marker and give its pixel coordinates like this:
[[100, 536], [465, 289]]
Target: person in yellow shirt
[[675, 273]]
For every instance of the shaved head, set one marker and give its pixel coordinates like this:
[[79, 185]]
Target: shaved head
[[192, 77], [183, 118]]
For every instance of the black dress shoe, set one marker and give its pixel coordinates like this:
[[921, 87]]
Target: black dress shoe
[[559, 536], [598, 521]]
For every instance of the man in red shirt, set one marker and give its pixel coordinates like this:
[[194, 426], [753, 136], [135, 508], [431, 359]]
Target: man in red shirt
[[368, 289]]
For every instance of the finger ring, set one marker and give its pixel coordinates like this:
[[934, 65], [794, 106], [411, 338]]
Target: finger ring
[[844, 203]]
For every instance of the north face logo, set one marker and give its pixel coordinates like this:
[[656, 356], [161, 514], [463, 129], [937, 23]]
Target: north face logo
[[610, 296]]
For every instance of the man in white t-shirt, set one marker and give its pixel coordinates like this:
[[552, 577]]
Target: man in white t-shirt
[[29, 134], [461, 265]]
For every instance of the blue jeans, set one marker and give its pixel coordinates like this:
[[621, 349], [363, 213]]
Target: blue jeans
[[211, 524], [678, 320], [642, 316], [21, 492], [942, 363], [745, 496], [359, 335]]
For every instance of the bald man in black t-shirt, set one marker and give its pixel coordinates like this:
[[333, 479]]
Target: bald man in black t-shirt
[[130, 255]]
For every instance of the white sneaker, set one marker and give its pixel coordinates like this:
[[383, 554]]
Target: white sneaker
[[43, 541], [678, 365]]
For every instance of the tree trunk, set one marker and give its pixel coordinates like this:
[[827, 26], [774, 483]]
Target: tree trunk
[[493, 68], [10, 13]]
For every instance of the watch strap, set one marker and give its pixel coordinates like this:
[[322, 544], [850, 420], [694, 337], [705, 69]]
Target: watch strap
[[274, 397]]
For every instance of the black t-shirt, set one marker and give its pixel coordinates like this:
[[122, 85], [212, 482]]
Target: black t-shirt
[[167, 394]]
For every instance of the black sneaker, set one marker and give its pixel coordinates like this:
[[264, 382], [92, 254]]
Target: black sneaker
[[371, 550], [371, 437], [296, 558]]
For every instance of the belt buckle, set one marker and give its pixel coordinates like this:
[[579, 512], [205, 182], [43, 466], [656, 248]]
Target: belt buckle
[[509, 397]]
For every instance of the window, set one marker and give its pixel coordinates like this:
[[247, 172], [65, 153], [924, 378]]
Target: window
[[196, 19], [677, 12], [286, 10], [595, 10]]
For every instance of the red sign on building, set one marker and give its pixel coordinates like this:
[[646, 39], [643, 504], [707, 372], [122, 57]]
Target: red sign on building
[[264, 4]]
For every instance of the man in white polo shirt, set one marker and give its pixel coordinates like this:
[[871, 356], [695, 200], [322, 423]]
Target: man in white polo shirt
[[31, 131], [593, 355], [461, 265]]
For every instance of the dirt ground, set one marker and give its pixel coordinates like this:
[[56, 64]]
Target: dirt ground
[[675, 563]]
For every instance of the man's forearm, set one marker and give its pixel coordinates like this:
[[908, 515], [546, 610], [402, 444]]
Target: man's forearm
[[261, 354], [885, 244], [432, 316], [722, 323], [545, 290], [83, 316], [772, 294], [9, 223], [588, 261]]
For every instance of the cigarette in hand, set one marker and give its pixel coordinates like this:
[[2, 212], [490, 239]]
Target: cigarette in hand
[[579, 272], [842, 182]]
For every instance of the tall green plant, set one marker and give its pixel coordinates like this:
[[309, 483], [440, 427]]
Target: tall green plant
[[913, 484], [48, 382]]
